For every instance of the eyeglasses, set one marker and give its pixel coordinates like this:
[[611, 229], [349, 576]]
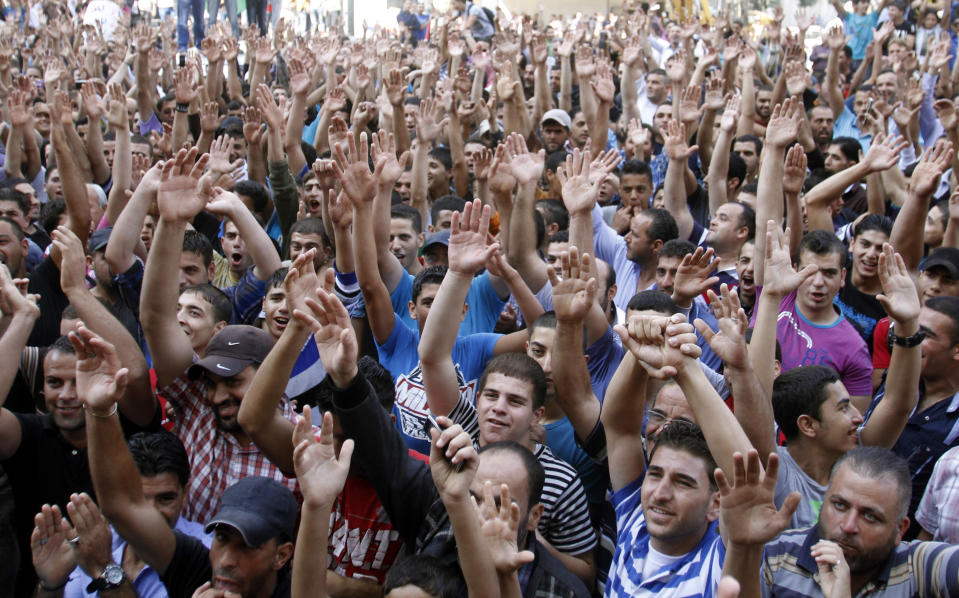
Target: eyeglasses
[[658, 418]]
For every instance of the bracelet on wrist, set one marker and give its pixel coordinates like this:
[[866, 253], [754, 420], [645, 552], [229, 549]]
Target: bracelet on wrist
[[106, 415], [183, 107]]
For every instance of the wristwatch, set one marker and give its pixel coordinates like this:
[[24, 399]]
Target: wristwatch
[[111, 578], [909, 341]]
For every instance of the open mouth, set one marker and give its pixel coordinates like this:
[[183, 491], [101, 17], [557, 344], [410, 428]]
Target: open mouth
[[281, 322], [236, 260]]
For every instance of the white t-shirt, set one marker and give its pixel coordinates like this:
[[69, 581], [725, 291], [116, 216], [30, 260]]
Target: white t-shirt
[[105, 14]]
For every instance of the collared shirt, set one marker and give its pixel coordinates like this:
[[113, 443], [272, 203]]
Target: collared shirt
[[913, 569], [938, 511], [217, 459], [927, 436], [847, 125], [697, 573]]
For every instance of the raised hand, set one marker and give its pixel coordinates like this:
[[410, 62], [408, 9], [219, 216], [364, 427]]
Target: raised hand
[[794, 171], [885, 155], [100, 379], [92, 104], [714, 100], [386, 168], [835, 38], [184, 87], [14, 299], [253, 128], [602, 84], [333, 332], [693, 275], [748, 515], [899, 296], [299, 78], [946, 112], [92, 551], [689, 108], [675, 144], [320, 471], [500, 526], [177, 196], [729, 344], [17, 112], [731, 115], [52, 556], [925, 176], [356, 179], [220, 156], [780, 276], [579, 192], [784, 123], [428, 127], [116, 112], [72, 262], [574, 292], [501, 179], [659, 344], [796, 77], [526, 167], [469, 235], [268, 107]]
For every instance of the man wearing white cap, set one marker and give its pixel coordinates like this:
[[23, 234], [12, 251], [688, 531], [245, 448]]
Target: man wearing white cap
[[554, 129]]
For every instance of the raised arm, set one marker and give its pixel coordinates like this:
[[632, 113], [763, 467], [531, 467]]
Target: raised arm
[[901, 301], [468, 252], [137, 403], [126, 232], [831, 85], [258, 415], [300, 86], [525, 168], [719, 161], [674, 193], [74, 186], [179, 201], [266, 260], [116, 480], [20, 313], [146, 90], [121, 178]]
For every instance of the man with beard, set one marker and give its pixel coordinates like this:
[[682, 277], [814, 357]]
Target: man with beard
[[856, 548], [555, 127]]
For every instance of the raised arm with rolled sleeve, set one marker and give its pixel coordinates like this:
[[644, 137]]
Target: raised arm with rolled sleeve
[[178, 200]]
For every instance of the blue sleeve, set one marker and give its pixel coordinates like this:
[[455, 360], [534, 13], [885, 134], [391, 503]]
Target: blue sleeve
[[609, 246], [151, 126], [398, 354], [472, 352], [247, 298], [484, 307], [604, 357], [401, 297]]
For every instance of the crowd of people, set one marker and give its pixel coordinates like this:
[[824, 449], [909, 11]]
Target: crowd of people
[[646, 303]]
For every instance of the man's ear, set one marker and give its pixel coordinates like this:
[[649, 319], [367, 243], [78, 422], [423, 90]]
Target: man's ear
[[219, 326], [901, 529], [412, 307], [538, 414], [713, 513], [808, 426], [534, 516], [842, 278], [284, 552], [421, 238], [211, 271]]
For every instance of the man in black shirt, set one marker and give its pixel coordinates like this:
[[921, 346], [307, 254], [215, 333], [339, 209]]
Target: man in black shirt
[[857, 297]]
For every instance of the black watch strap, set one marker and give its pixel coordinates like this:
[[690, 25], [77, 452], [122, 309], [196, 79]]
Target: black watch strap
[[112, 577], [909, 341]]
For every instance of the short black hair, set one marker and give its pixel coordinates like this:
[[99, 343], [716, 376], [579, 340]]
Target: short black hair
[[8, 193], [653, 300], [447, 202], [637, 167], [800, 391], [687, 437], [535, 474], [401, 210], [947, 305], [443, 156], [554, 212], [737, 168], [156, 453], [560, 236], [756, 141], [747, 218], [662, 225], [276, 279], [520, 366], [220, 301], [426, 572], [431, 275], [51, 211], [877, 222], [849, 147], [255, 191], [677, 248], [311, 226], [199, 244], [820, 242], [555, 160]]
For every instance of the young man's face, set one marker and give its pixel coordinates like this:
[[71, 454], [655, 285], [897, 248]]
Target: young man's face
[[193, 270], [745, 268], [635, 190], [656, 88], [887, 84], [424, 301], [28, 190], [861, 514], [109, 151], [276, 313], [241, 569], [666, 268], [504, 408], [554, 252], [12, 249], [835, 160], [303, 242], [11, 209], [838, 422], [238, 148], [501, 467], [554, 136], [225, 395], [53, 187], [195, 317], [403, 185], [938, 349], [101, 269], [437, 177], [822, 123], [235, 249], [540, 348], [764, 103], [678, 502], [662, 115], [747, 151], [166, 493], [934, 228], [639, 247], [724, 228], [937, 281], [816, 293], [410, 116], [313, 198], [404, 242], [60, 390], [670, 405], [866, 248], [580, 131]]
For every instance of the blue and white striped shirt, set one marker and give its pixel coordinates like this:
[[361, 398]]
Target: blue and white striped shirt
[[696, 573]]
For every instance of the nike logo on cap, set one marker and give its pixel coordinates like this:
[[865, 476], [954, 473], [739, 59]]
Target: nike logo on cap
[[233, 343], [223, 367]]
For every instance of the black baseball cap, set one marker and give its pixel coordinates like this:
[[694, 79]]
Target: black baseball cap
[[231, 350], [260, 508], [946, 257]]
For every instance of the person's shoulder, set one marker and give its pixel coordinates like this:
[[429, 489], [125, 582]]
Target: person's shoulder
[[557, 580]]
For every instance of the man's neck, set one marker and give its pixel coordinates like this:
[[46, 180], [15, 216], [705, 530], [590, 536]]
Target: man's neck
[[677, 546], [938, 389], [869, 285], [414, 267], [821, 317], [101, 292], [77, 438], [815, 462], [647, 274], [729, 257], [553, 413]]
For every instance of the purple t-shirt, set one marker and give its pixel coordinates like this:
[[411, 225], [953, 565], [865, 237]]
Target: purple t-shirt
[[837, 345]]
